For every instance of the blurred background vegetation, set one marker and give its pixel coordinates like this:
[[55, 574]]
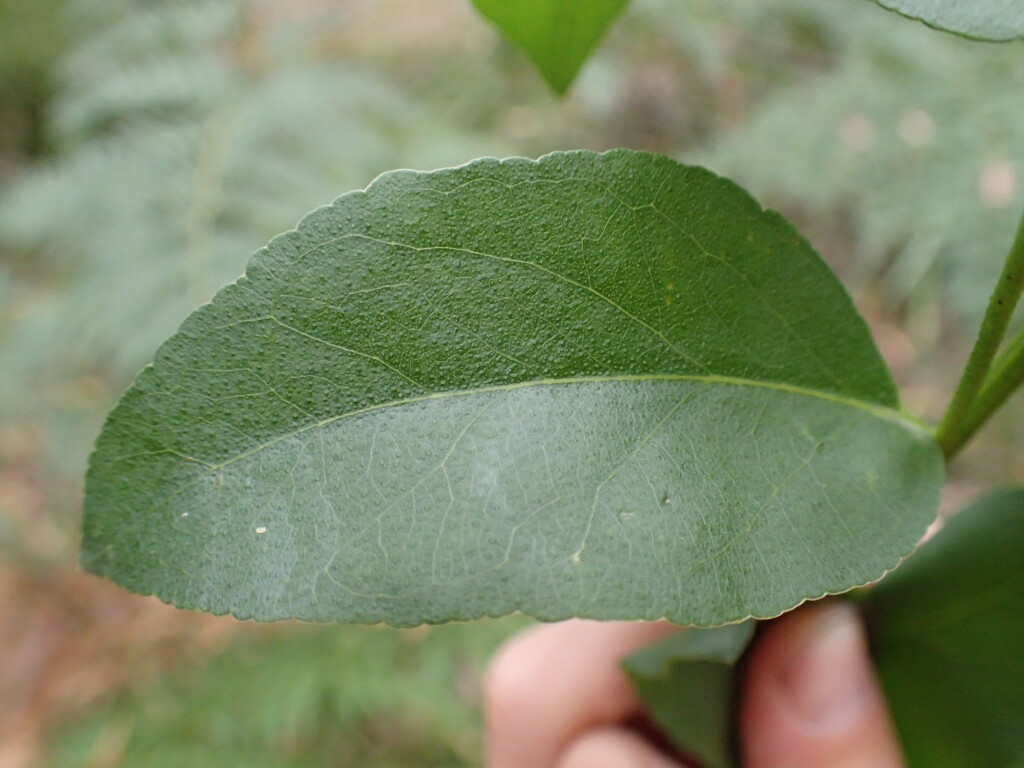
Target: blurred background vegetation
[[147, 147]]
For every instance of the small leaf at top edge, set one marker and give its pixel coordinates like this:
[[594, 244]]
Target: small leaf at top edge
[[557, 35], [992, 20]]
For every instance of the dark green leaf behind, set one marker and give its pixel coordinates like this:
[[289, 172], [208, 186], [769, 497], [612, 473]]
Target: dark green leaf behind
[[701, 663], [947, 630]]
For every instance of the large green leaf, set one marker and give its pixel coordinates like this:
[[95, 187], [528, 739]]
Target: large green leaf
[[557, 35], [947, 630], [688, 683], [598, 385], [981, 19]]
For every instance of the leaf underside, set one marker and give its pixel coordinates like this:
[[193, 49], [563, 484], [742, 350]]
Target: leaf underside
[[701, 662], [946, 634], [591, 385], [557, 35], [995, 20]]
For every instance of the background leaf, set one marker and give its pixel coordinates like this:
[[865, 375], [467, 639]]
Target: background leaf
[[982, 19], [882, 124], [947, 629], [701, 662], [510, 386], [306, 696], [557, 35], [179, 161]]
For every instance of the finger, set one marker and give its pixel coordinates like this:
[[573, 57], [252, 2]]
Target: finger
[[551, 683], [811, 697], [611, 747]]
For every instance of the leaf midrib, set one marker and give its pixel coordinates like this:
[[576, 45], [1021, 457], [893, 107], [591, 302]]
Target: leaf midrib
[[879, 411]]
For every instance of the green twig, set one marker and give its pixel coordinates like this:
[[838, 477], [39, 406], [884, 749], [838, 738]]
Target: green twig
[[951, 433], [1007, 375]]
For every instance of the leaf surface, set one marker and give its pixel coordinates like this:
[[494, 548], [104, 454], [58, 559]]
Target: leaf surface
[[701, 663], [591, 385], [557, 35], [947, 632], [997, 20]]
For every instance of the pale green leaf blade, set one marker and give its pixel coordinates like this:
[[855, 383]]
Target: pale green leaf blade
[[557, 35], [947, 632], [688, 684], [997, 20], [602, 385]]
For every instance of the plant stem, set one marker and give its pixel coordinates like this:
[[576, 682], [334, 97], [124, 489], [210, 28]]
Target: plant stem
[[951, 433], [1007, 375]]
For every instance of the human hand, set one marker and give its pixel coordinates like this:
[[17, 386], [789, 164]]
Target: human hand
[[556, 697]]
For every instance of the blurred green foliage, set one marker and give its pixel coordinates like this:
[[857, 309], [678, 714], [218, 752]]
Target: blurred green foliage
[[187, 137], [312, 696], [918, 135]]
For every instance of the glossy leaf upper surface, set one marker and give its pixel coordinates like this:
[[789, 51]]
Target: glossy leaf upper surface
[[591, 385], [948, 632], [557, 35], [997, 20]]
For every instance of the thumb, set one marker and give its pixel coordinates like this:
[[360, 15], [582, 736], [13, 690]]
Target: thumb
[[811, 697]]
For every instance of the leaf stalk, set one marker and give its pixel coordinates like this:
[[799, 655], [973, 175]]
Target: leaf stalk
[[1006, 377], [966, 412]]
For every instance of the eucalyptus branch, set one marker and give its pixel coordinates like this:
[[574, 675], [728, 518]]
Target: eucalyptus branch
[[951, 433]]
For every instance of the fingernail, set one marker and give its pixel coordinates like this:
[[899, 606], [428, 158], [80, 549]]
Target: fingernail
[[828, 680]]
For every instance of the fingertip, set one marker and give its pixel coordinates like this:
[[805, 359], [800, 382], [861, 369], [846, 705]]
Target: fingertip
[[613, 748], [509, 699], [550, 683], [510, 695], [811, 698]]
